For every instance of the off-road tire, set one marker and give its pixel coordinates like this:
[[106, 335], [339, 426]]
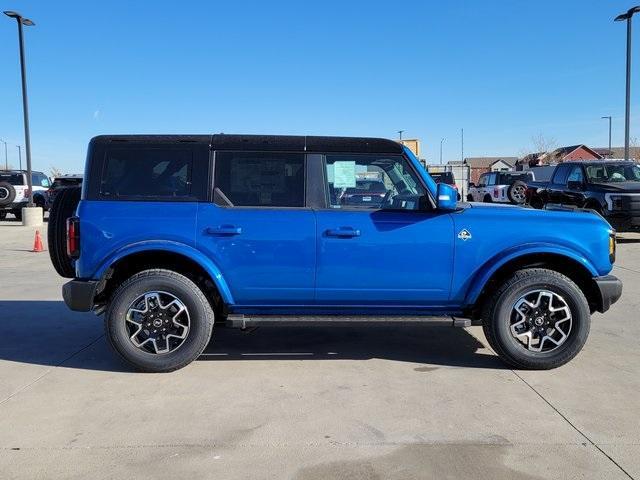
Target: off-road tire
[[511, 192], [8, 192], [487, 199], [64, 206], [200, 313], [497, 311]]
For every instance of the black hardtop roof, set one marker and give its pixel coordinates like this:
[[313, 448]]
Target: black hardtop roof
[[266, 142], [596, 162]]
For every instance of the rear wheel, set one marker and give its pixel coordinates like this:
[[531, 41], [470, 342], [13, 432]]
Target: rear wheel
[[159, 321], [64, 206], [538, 319], [516, 192], [487, 199]]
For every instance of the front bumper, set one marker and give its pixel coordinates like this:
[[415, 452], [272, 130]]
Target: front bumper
[[79, 294], [610, 289]]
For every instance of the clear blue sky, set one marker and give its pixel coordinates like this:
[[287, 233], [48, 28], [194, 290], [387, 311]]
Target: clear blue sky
[[503, 70]]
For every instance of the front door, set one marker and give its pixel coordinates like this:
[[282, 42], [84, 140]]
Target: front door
[[258, 231], [375, 246]]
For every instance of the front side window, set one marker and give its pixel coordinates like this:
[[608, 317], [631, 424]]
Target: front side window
[[259, 179], [372, 182], [147, 173], [575, 175], [612, 173], [483, 181], [39, 180]]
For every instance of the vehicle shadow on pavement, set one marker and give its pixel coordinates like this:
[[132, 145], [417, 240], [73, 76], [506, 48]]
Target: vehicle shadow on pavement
[[48, 333], [405, 342]]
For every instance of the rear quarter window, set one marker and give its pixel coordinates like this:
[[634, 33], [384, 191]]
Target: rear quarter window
[[147, 173]]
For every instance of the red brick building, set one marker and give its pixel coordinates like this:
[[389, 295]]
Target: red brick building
[[559, 155]]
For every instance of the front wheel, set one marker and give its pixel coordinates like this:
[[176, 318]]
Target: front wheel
[[159, 321], [538, 319]]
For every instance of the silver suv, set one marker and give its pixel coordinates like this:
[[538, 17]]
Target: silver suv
[[14, 192]]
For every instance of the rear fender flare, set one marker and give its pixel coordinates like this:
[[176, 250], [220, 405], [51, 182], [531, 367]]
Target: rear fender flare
[[173, 247]]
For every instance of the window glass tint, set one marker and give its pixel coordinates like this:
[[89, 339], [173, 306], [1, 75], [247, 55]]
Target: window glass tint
[[259, 179], [560, 177], [509, 178], [575, 175], [482, 181], [616, 172], [66, 182], [160, 173], [372, 182], [491, 179], [12, 178], [39, 180]]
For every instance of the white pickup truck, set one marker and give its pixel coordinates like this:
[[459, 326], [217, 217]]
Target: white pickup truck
[[500, 187], [14, 192]]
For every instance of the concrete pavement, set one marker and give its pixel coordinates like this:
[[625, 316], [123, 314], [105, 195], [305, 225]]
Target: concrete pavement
[[363, 402]]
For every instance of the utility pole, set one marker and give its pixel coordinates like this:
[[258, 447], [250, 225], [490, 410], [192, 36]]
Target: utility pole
[[610, 152], [400, 134], [441, 150], [19, 156], [462, 144], [6, 158], [628, 15]]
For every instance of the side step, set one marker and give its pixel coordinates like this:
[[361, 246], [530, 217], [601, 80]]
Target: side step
[[243, 321]]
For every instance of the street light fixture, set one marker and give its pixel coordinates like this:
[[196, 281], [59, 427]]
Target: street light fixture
[[441, 150], [627, 16], [25, 106], [609, 118]]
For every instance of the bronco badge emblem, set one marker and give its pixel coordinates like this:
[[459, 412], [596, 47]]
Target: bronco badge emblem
[[464, 235]]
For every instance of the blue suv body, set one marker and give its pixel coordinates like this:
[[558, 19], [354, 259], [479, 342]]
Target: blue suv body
[[172, 232]]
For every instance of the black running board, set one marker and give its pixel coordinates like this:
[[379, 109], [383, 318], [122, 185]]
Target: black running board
[[244, 321]]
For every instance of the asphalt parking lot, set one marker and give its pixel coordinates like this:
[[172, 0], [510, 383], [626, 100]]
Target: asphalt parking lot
[[358, 402]]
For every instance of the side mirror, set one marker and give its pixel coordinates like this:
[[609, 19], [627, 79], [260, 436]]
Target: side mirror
[[447, 197], [573, 185]]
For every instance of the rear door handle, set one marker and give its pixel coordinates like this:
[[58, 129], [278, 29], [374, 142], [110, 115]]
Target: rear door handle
[[224, 230], [344, 232]]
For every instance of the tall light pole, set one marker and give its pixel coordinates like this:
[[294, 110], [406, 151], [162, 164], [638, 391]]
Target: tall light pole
[[400, 134], [6, 159], [627, 16], [19, 155], [462, 144], [441, 150], [25, 104], [609, 118]]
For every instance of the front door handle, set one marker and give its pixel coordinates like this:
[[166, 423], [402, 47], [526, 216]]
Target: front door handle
[[344, 232], [223, 230]]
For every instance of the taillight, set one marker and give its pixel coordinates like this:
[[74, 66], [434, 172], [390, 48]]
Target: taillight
[[25, 192], [73, 237]]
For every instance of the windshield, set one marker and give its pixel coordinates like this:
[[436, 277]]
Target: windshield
[[613, 173]]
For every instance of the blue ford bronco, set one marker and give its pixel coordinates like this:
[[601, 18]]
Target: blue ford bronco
[[171, 234]]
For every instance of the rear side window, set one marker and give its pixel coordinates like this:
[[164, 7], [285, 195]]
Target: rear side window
[[147, 173], [259, 179], [560, 176], [12, 178]]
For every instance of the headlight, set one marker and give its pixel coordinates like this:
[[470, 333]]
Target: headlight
[[612, 247], [616, 202]]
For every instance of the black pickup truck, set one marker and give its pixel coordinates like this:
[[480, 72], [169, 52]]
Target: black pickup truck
[[610, 187]]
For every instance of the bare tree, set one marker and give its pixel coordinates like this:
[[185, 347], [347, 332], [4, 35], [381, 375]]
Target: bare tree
[[542, 143], [55, 171], [634, 149]]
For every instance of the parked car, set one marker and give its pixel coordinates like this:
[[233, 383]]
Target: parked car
[[174, 232], [611, 188], [371, 193], [64, 181], [500, 187], [14, 191], [445, 177]]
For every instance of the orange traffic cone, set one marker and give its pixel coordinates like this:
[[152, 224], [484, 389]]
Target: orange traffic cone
[[37, 243]]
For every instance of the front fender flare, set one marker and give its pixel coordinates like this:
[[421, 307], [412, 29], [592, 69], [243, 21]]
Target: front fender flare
[[490, 267], [173, 247]]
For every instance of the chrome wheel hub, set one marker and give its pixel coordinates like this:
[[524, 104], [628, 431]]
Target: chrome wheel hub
[[519, 193], [541, 321], [157, 322]]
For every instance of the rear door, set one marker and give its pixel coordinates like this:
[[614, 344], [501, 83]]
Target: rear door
[[258, 230], [558, 184], [573, 194], [388, 254]]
